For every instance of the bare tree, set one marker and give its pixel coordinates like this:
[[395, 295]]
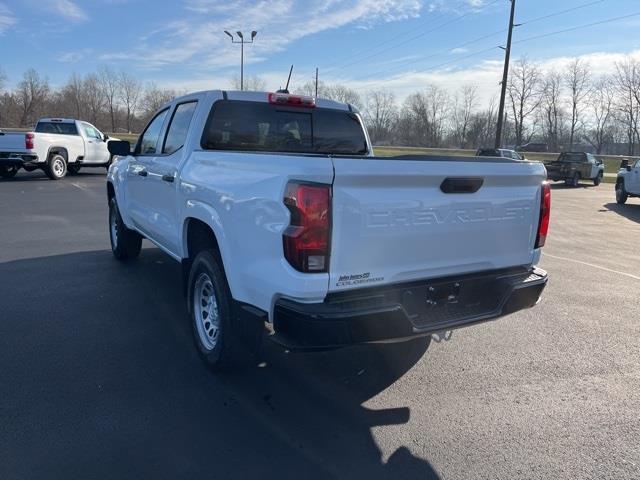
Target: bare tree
[[627, 84], [524, 95], [31, 96], [601, 102], [422, 121], [3, 79], [253, 83], [551, 111], [465, 102], [337, 92], [380, 114], [577, 82], [153, 99], [94, 97], [73, 93], [110, 87], [130, 89]]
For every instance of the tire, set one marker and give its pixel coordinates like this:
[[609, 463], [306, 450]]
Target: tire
[[224, 340], [56, 167], [598, 180], [125, 243], [108, 164], [621, 193], [74, 168], [8, 171], [575, 180]]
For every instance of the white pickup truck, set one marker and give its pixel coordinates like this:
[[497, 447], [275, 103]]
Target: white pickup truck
[[57, 146], [282, 217], [628, 182]]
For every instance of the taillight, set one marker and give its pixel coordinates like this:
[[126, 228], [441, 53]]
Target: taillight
[[306, 239], [28, 141], [292, 100], [545, 213]]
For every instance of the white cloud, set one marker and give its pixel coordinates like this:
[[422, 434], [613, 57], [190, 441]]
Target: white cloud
[[73, 57], [197, 39], [66, 9], [485, 74], [459, 50], [476, 3], [7, 20]]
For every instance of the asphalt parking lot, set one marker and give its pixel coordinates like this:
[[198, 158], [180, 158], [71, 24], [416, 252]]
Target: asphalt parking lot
[[99, 378]]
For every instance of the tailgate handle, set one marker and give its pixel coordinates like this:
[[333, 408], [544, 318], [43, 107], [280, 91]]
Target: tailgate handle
[[461, 185]]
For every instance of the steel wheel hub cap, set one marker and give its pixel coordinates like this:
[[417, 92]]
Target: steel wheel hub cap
[[58, 167], [205, 308]]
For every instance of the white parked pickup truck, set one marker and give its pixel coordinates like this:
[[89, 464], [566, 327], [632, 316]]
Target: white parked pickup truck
[[281, 216], [628, 182], [57, 146]]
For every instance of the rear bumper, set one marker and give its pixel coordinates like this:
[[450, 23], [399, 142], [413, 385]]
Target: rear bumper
[[18, 159], [403, 311]]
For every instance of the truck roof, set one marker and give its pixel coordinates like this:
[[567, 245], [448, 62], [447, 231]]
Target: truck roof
[[58, 120], [255, 96]]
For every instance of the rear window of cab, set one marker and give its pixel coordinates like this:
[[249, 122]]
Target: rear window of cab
[[263, 127]]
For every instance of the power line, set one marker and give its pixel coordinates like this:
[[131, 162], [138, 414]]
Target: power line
[[579, 27], [562, 12], [536, 37], [411, 39], [476, 40], [435, 54]]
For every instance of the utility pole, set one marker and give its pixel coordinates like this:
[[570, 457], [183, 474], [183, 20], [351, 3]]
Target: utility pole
[[316, 82], [242, 41], [505, 77]]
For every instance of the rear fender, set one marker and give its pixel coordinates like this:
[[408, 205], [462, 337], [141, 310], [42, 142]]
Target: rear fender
[[207, 214]]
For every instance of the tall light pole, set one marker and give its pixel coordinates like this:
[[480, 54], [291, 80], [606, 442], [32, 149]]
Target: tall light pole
[[242, 41], [505, 77]]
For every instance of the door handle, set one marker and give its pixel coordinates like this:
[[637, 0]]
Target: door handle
[[168, 178], [143, 172]]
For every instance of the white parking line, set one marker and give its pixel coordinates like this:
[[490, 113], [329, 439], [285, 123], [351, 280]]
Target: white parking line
[[592, 265]]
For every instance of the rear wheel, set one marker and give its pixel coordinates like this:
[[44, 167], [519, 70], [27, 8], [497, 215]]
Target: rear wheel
[[125, 243], [218, 331], [73, 168], [574, 181], [8, 171], [598, 180], [621, 193], [56, 167]]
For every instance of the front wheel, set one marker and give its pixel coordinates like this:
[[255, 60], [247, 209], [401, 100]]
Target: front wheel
[[621, 193], [8, 171], [125, 243], [56, 167], [598, 180]]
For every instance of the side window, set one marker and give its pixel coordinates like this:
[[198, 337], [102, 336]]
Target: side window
[[149, 140], [638, 164], [89, 131], [179, 127]]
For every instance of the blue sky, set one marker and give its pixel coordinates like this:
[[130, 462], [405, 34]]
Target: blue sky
[[393, 44]]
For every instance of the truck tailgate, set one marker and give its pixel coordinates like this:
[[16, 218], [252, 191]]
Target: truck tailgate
[[392, 221], [12, 142]]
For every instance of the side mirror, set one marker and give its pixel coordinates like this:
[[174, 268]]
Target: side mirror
[[121, 148], [105, 138], [628, 168]]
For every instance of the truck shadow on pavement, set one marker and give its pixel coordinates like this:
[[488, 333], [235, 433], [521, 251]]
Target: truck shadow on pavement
[[628, 210], [39, 175], [100, 379]]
